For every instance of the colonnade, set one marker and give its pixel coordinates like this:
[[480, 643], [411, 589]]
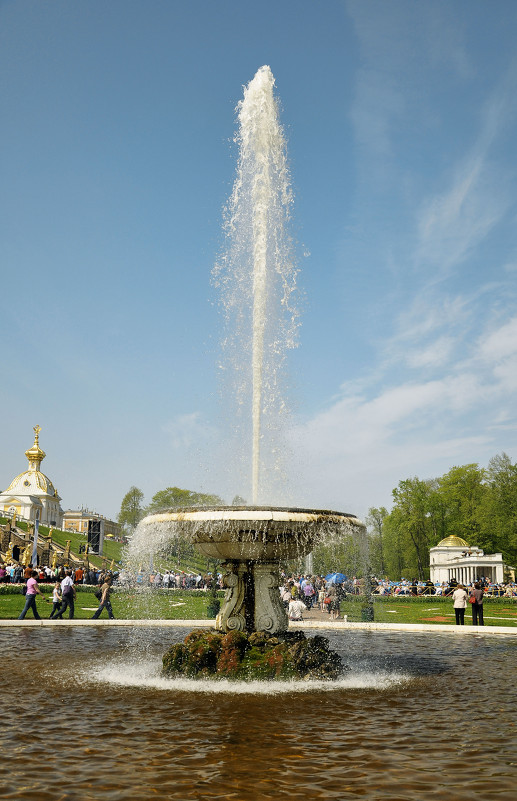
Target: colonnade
[[470, 573]]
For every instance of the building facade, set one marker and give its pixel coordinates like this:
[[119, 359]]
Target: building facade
[[32, 495], [453, 558], [79, 520]]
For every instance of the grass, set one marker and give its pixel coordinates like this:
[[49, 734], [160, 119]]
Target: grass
[[192, 605], [113, 550], [137, 605], [497, 612]]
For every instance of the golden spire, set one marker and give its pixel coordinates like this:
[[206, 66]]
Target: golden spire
[[35, 455]]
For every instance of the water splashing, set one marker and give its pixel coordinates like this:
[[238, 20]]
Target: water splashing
[[257, 278]]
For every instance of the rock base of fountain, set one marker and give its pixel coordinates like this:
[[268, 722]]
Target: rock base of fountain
[[210, 654]]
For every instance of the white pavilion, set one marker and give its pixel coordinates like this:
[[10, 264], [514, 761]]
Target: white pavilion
[[32, 495], [453, 558]]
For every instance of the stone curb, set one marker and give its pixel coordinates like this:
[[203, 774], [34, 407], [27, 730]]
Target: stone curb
[[336, 625], [46, 623], [408, 627]]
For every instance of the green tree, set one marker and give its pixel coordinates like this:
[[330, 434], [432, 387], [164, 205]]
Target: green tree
[[412, 519], [174, 497], [345, 555], [131, 510], [461, 491], [498, 509], [396, 549], [375, 522]]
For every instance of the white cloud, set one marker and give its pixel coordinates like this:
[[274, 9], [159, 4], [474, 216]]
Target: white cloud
[[188, 430], [501, 343], [453, 223], [433, 355], [364, 444]]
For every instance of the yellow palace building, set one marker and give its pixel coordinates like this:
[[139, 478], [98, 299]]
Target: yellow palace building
[[32, 495]]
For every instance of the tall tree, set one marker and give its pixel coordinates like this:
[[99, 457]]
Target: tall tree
[[462, 490], [131, 510], [375, 522], [174, 497], [498, 512], [413, 518]]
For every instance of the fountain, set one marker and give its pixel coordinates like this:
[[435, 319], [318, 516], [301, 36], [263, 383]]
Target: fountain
[[383, 730], [258, 281], [251, 542]]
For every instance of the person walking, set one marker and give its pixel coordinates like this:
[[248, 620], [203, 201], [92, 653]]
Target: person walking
[[105, 602], [67, 595], [459, 597], [30, 596], [56, 602], [334, 604], [477, 605]]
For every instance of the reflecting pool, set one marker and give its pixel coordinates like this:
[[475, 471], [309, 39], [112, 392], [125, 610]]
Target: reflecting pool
[[86, 715]]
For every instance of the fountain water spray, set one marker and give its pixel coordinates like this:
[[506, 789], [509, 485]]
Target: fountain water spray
[[257, 277]]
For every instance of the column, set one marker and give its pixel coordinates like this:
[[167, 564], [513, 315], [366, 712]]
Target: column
[[270, 614], [233, 613]]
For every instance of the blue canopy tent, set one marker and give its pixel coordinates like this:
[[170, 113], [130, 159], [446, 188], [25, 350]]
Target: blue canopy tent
[[335, 578]]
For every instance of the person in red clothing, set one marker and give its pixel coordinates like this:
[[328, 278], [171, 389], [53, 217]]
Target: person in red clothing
[[477, 607]]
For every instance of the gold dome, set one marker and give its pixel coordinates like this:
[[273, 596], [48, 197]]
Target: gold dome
[[33, 481], [35, 455], [453, 542]]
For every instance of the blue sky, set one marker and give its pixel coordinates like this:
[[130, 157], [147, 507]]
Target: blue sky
[[117, 159]]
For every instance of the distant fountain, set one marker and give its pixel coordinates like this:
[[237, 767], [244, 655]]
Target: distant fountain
[[257, 277]]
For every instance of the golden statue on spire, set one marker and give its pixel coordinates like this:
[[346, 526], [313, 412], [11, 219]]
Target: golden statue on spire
[[35, 455]]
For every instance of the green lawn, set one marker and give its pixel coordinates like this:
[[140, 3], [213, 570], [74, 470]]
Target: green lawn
[[496, 612], [192, 605], [113, 551], [139, 605]]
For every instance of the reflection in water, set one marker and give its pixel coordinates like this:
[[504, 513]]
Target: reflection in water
[[86, 715]]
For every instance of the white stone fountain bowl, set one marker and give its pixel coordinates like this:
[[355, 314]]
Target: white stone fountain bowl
[[255, 533]]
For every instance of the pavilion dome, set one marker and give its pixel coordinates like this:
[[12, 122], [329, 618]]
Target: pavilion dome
[[453, 542], [32, 482]]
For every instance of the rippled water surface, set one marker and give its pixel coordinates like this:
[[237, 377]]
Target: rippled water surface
[[86, 715]]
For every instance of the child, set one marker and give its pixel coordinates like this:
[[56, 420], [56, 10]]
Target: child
[[56, 601]]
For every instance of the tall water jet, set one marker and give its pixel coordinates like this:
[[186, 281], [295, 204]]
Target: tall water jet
[[257, 278]]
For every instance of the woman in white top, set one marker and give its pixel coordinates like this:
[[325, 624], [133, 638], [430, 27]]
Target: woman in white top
[[296, 609], [459, 596]]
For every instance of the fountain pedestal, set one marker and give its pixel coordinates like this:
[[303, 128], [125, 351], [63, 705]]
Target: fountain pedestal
[[252, 600], [251, 542]]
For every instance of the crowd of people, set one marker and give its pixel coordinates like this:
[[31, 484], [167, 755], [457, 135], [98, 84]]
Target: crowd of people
[[15, 573], [415, 587], [64, 594], [303, 592], [298, 593], [171, 579]]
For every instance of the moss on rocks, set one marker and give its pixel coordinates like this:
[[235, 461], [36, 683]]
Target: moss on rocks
[[209, 654]]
